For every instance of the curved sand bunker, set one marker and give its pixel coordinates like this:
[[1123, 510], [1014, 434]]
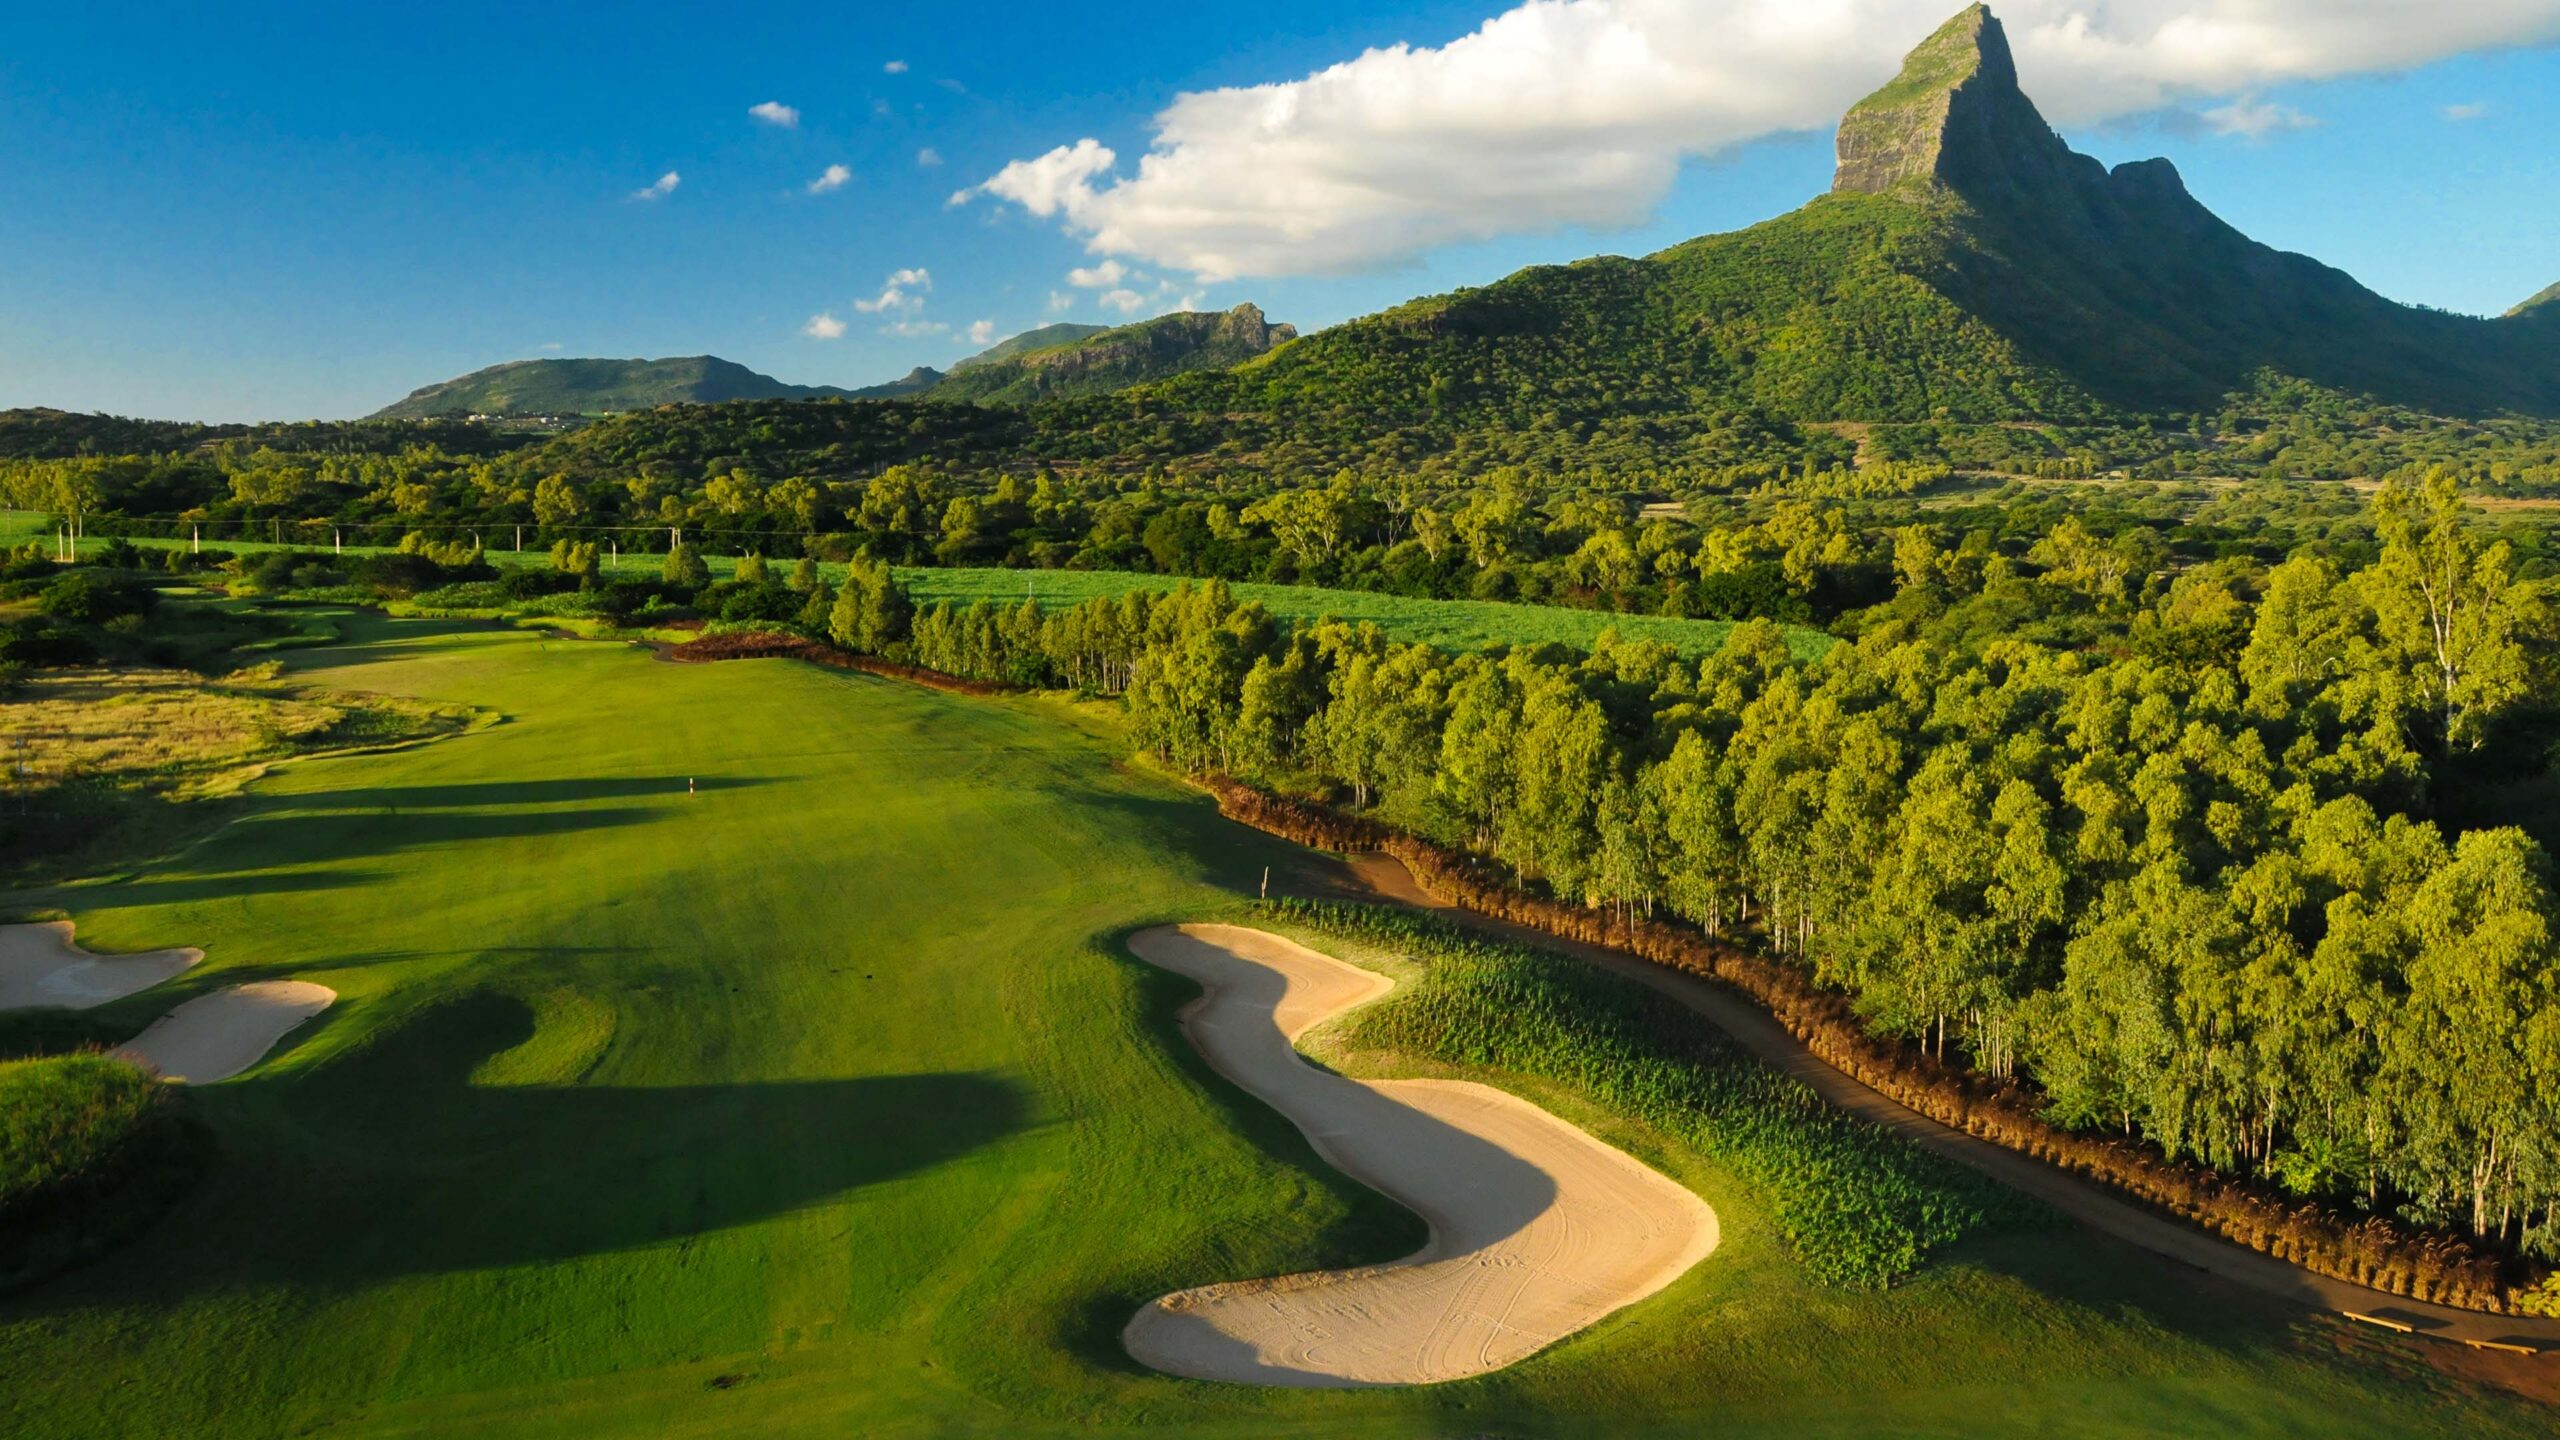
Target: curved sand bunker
[[1537, 1229], [40, 966], [216, 1036]]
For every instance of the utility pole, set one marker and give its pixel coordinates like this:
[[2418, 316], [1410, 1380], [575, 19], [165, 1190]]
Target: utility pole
[[519, 539]]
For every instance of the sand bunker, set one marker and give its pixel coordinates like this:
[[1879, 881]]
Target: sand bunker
[[216, 1036], [39, 966], [1537, 1229]]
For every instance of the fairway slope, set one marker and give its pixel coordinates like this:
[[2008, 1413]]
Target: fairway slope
[[40, 966], [214, 1037], [1537, 1229]]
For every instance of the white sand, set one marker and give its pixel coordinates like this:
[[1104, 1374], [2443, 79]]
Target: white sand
[[216, 1036], [39, 966], [1537, 1229]]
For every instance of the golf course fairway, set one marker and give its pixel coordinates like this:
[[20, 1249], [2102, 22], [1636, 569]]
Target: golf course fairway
[[827, 1099], [1537, 1230]]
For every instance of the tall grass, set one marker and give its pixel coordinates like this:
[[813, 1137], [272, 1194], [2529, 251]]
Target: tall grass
[[1859, 1206]]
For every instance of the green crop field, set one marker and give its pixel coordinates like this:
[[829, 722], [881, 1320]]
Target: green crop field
[[1455, 624], [1451, 624], [821, 1100]]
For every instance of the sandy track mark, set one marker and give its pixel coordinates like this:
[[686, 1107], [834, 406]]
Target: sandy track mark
[[1537, 1229], [214, 1037], [40, 966]]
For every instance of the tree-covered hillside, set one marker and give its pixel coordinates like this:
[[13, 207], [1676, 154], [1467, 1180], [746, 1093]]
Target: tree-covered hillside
[[592, 387]]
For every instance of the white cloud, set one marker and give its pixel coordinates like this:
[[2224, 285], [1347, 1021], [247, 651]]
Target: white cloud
[[1104, 276], [1127, 302], [928, 157], [823, 326], [832, 178], [2472, 111], [982, 333], [914, 329], [660, 188], [1061, 180], [1060, 302], [549, 346], [774, 112], [1579, 112], [894, 67], [903, 292], [2255, 119]]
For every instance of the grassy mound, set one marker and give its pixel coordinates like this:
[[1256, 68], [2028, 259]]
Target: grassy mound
[[90, 1149], [1858, 1205]]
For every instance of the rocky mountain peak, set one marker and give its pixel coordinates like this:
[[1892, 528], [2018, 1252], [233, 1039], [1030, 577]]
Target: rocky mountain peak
[[1954, 117]]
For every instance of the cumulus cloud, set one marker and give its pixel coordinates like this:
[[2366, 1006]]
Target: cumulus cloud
[[1104, 276], [982, 333], [2472, 111], [823, 326], [894, 67], [774, 112], [549, 346], [1060, 302], [928, 157], [832, 178], [1580, 112], [1127, 302], [903, 292], [914, 329], [660, 188]]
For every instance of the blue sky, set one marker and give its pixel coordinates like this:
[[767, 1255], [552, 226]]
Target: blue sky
[[308, 212]]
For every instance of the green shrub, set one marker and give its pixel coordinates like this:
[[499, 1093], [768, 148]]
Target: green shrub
[[91, 1149]]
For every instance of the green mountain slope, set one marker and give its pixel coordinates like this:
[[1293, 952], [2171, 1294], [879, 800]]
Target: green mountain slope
[[1065, 332], [1967, 265], [1056, 362], [588, 387]]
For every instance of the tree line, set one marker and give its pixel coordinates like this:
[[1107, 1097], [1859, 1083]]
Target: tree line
[[2195, 898]]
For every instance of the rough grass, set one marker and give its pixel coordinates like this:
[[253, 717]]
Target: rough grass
[[817, 1097], [1857, 1205], [98, 755], [64, 1119], [91, 1149]]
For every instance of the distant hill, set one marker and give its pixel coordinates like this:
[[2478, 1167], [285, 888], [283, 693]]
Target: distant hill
[[1046, 337], [592, 387], [1085, 360], [2547, 302], [1054, 360]]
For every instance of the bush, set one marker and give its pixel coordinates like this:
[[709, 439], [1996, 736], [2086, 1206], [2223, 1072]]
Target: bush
[[37, 645], [93, 597], [90, 1149]]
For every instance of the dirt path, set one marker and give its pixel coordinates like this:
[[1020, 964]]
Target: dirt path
[[214, 1037], [40, 966], [1383, 877], [1537, 1229]]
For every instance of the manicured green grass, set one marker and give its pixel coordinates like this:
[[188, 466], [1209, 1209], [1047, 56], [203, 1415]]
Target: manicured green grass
[[821, 1099]]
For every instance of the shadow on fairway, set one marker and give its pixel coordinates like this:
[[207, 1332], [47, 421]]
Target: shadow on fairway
[[391, 1163]]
